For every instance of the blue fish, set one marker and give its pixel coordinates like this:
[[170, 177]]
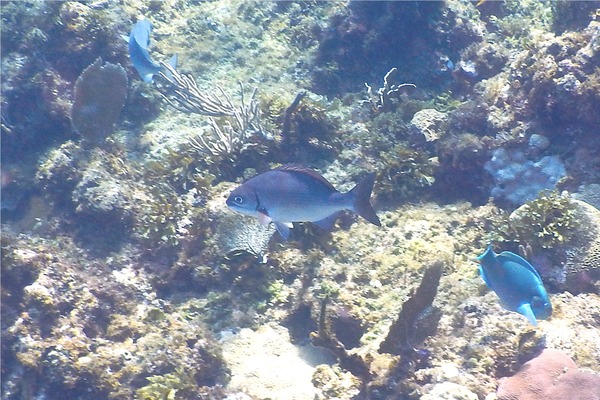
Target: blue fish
[[139, 40], [517, 284], [293, 193]]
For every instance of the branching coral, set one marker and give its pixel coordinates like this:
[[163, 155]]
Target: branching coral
[[382, 100], [231, 135]]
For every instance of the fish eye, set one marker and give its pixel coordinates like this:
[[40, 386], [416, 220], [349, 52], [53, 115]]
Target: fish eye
[[238, 199], [538, 302]]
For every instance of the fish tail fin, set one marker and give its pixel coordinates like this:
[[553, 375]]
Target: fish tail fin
[[361, 194]]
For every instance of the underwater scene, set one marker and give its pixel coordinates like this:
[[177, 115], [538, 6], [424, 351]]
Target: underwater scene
[[300, 200]]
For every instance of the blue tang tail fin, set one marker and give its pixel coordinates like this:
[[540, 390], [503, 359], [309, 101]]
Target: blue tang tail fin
[[361, 194], [173, 64]]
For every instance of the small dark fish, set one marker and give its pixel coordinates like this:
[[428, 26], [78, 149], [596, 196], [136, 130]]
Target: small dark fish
[[292, 193], [139, 40], [517, 284]]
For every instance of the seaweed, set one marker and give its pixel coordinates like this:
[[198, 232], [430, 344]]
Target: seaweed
[[542, 223]]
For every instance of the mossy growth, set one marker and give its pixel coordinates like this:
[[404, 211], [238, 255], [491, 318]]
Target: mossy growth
[[545, 222], [181, 168], [171, 386], [177, 187], [404, 170], [158, 225], [308, 133]]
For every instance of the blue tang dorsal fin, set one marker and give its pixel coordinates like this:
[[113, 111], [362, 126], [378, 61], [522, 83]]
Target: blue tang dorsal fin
[[488, 258]]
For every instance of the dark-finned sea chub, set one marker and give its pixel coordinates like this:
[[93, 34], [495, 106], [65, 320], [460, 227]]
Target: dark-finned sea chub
[[293, 193]]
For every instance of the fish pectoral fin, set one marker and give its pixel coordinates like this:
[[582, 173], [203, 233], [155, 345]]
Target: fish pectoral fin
[[283, 228], [149, 77], [264, 219], [526, 310]]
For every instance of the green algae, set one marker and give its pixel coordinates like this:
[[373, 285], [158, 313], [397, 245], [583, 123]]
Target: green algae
[[177, 384], [542, 223]]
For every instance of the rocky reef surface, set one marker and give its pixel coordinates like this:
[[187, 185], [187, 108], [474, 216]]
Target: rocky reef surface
[[124, 274]]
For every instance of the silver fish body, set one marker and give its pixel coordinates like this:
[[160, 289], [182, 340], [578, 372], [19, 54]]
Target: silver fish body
[[293, 193]]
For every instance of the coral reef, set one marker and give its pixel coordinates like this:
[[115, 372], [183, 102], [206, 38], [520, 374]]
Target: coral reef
[[590, 194], [403, 171], [429, 124], [125, 276], [518, 179], [112, 338], [545, 222]]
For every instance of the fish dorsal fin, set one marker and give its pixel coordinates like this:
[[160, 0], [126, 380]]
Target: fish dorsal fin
[[300, 169], [519, 260]]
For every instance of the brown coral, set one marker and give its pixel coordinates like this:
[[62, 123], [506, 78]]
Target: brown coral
[[583, 255], [551, 376], [100, 93]]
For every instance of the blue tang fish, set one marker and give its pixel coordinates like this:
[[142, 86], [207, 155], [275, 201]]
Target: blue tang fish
[[517, 284], [293, 193], [139, 40]]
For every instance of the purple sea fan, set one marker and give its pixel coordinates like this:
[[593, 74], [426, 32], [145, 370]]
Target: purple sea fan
[[100, 93]]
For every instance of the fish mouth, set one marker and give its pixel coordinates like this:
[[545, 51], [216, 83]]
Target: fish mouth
[[231, 204]]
